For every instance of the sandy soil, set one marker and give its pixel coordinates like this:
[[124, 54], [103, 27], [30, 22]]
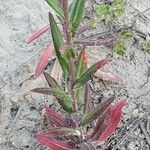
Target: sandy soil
[[20, 110]]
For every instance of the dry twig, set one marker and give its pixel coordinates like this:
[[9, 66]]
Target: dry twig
[[147, 136], [134, 126]]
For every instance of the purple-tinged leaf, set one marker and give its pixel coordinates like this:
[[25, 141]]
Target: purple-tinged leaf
[[43, 61], [114, 120], [87, 98], [52, 143], [61, 132], [101, 125], [82, 29], [55, 118], [51, 81], [107, 76], [88, 74], [98, 111], [38, 33], [98, 42], [71, 122], [63, 98]]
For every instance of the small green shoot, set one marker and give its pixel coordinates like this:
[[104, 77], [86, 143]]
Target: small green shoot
[[120, 46], [106, 12], [145, 46]]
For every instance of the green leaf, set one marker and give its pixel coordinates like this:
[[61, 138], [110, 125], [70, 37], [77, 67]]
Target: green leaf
[[127, 34], [58, 43], [76, 14], [63, 98], [56, 6], [120, 48], [103, 12], [88, 74], [69, 54], [98, 111], [80, 95], [80, 70], [81, 64]]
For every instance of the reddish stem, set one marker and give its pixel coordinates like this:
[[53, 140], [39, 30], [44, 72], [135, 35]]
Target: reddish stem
[[67, 23]]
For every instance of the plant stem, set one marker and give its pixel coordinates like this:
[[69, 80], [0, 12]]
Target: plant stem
[[67, 22], [71, 84], [71, 63]]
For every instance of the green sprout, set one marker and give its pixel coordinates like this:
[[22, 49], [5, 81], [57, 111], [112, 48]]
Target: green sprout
[[120, 46], [106, 12], [127, 34], [145, 46]]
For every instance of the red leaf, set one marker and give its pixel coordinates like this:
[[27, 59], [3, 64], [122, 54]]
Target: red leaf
[[61, 132], [52, 143], [115, 119], [55, 118], [118, 106], [101, 63], [107, 76], [102, 124], [43, 61], [38, 34], [98, 111]]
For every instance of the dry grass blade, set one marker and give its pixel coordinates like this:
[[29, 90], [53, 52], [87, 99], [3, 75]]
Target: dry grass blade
[[57, 72], [147, 136], [98, 42]]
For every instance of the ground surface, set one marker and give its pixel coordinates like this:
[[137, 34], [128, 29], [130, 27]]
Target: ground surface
[[20, 110]]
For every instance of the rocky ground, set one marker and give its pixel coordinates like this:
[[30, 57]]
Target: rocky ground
[[20, 110]]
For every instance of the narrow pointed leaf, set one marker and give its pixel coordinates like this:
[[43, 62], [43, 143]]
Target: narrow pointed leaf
[[81, 64], [87, 99], [56, 33], [98, 111], [77, 12], [38, 33], [119, 106], [82, 29], [92, 42], [88, 74], [55, 118], [112, 126], [101, 125], [80, 70], [114, 121], [52, 143], [62, 131], [51, 81], [43, 61], [107, 76], [55, 4], [58, 43], [62, 97]]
